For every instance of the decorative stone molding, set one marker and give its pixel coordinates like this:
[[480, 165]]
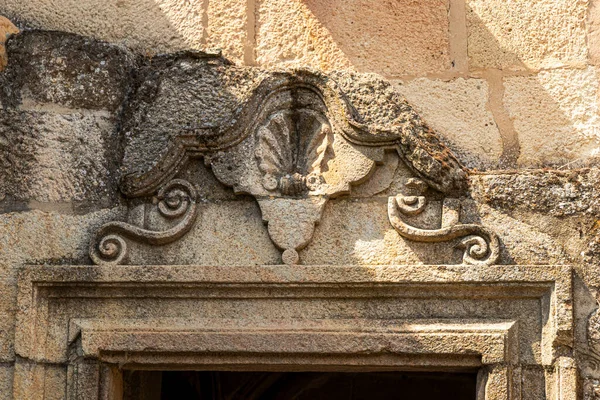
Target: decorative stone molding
[[318, 105], [295, 143], [177, 199], [481, 245], [89, 323]]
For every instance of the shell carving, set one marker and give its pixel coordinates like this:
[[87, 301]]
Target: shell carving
[[292, 150]]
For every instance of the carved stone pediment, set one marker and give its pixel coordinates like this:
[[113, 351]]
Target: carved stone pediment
[[294, 142]]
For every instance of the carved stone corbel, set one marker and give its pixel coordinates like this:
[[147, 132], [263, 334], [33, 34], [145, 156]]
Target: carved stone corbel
[[177, 199], [481, 245]]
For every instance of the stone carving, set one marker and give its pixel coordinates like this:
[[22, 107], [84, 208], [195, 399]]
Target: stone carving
[[294, 144], [481, 246], [291, 162], [309, 97], [176, 199]]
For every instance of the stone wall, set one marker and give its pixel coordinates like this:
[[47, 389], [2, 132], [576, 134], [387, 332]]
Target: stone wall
[[509, 87], [508, 84]]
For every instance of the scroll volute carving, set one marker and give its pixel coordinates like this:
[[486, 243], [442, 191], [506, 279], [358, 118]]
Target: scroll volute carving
[[293, 145], [177, 200], [481, 246]]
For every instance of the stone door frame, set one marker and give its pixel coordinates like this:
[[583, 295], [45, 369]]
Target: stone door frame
[[57, 342]]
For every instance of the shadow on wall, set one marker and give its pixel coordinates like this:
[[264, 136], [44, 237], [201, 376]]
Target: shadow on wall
[[546, 108], [553, 113], [544, 100], [148, 26], [382, 37], [549, 95]]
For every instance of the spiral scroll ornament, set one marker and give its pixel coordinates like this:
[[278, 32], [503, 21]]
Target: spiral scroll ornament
[[177, 199], [481, 245]]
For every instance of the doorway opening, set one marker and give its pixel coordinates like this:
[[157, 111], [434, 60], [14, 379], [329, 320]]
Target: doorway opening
[[207, 385]]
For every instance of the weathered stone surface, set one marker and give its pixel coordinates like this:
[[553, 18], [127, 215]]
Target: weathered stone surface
[[591, 389], [354, 34], [554, 193], [593, 31], [47, 237], [6, 380], [148, 26], [39, 237], [569, 130], [189, 111], [49, 380], [535, 244], [228, 28], [420, 315], [178, 94], [562, 204], [69, 70], [7, 29], [58, 157], [459, 111], [526, 35], [360, 233], [382, 189], [226, 233]]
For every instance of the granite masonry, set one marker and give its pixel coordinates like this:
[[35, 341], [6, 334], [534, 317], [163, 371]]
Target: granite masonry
[[183, 211]]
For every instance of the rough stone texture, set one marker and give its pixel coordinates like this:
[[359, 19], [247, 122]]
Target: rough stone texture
[[569, 130], [204, 95], [226, 233], [562, 204], [459, 111], [526, 34], [333, 317], [357, 34], [180, 94], [554, 193], [39, 237], [6, 379], [55, 157], [345, 140], [7, 29], [227, 27], [69, 70], [593, 31], [61, 95], [146, 25]]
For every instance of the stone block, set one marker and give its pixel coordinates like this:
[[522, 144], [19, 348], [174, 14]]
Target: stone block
[[65, 69], [227, 27], [55, 157], [525, 34], [145, 25], [458, 110], [383, 37], [6, 382], [557, 194], [226, 233], [46, 237], [36, 236], [593, 31], [569, 130]]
